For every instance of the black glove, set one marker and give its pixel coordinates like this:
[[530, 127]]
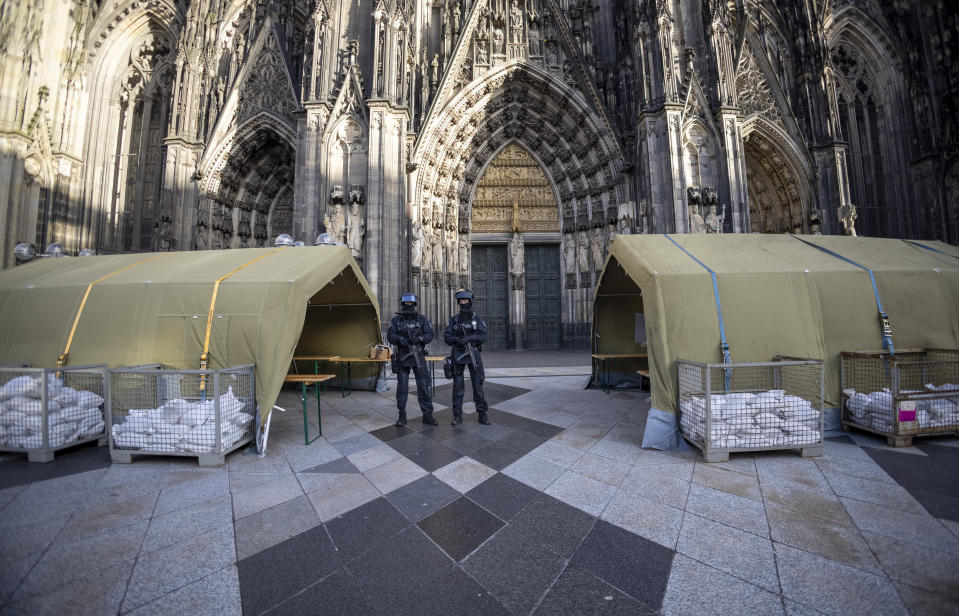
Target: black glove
[[462, 340], [475, 338], [403, 344]]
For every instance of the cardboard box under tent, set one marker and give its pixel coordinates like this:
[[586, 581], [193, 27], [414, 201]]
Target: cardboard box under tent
[[211, 310], [778, 295]]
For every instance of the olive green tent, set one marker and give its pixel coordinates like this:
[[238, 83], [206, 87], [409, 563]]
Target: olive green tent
[[779, 295], [154, 308]]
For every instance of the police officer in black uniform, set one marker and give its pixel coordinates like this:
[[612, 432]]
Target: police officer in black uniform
[[466, 333], [410, 332]]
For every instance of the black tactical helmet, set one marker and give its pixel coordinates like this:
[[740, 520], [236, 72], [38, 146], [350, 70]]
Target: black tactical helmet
[[464, 294], [408, 298]]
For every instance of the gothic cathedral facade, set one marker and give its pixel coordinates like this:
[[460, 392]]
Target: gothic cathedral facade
[[497, 144]]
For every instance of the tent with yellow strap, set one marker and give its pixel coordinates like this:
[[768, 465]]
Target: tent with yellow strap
[[800, 296], [189, 310]]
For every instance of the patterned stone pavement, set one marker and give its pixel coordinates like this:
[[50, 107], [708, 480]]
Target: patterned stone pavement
[[554, 509]]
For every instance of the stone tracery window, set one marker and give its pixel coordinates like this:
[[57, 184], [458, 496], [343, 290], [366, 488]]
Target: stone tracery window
[[861, 119]]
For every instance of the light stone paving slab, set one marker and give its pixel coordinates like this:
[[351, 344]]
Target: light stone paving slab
[[12, 572], [464, 474], [614, 450], [93, 592], [30, 538], [171, 528], [922, 529], [718, 478], [645, 517], [877, 442], [534, 472], [729, 509], [8, 495], [108, 515], [577, 440], [269, 527], [743, 463], [836, 450], [35, 509], [601, 469], [591, 428], [664, 488], [158, 573], [582, 492], [795, 608], [774, 468], [341, 496], [792, 496], [254, 492], [394, 475], [201, 489], [301, 457], [695, 589], [338, 434], [841, 543], [63, 563], [833, 588], [883, 493], [373, 457], [218, 594], [738, 553], [865, 467], [560, 455], [932, 570], [952, 525]]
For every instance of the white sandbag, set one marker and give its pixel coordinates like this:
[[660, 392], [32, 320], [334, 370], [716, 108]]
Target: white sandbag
[[88, 429], [176, 431], [18, 430], [129, 440], [12, 418], [719, 431], [198, 413], [230, 404], [773, 437], [767, 397], [233, 434], [136, 423], [35, 390], [768, 421], [31, 406], [880, 402], [795, 404], [87, 399], [174, 410], [68, 396], [941, 406], [241, 419], [75, 413], [16, 387], [858, 404], [943, 387], [739, 399], [34, 441], [201, 435]]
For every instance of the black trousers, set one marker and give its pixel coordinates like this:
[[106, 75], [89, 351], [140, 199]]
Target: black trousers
[[422, 376], [459, 389]]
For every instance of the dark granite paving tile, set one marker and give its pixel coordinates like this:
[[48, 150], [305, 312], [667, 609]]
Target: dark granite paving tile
[[275, 574], [435, 456], [502, 495], [364, 528], [499, 455], [916, 472], [842, 438], [88, 457], [443, 430], [411, 443], [635, 565], [454, 594], [389, 571], [554, 524], [944, 455], [460, 527], [544, 430], [514, 569], [335, 595], [466, 442], [390, 433], [338, 466], [584, 594], [492, 432], [939, 504], [524, 440], [495, 393], [422, 497]]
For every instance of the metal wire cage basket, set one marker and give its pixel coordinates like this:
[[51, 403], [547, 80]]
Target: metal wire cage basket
[[198, 413], [752, 406], [43, 410], [901, 395]]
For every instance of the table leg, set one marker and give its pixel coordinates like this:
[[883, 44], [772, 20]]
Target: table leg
[[433, 377], [319, 414], [306, 421], [606, 366]]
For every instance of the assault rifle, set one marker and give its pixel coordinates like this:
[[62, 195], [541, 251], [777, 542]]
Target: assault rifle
[[415, 348], [471, 351]]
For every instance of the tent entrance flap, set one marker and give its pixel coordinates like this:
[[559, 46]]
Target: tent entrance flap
[[619, 329]]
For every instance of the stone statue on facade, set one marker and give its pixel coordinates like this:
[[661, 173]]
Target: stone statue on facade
[[693, 198], [357, 230], [335, 222], [416, 248], [517, 257], [714, 222], [516, 23], [597, 245], [847, 216], [451, 253], [427, 247], [498, 42], [436, 240], [464, 256], [582, 251], [569, 253]]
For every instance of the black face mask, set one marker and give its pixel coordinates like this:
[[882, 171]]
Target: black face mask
[[466, 308], [408, 310]]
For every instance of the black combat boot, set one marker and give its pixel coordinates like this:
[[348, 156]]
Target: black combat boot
[[484, 419], [402, 420], [457, 419], [428, 419]]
